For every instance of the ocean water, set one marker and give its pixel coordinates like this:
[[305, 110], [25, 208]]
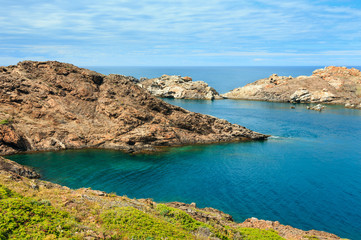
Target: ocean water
[[223, 79], [308, 174]]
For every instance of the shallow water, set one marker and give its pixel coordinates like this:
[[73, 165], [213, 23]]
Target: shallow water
[[308, 174]]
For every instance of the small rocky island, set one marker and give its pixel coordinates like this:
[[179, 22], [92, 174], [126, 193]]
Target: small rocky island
[[330, 85], [53, 106], [179, 87]]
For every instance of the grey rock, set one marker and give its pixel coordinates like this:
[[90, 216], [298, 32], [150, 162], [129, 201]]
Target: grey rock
[[179, 87]]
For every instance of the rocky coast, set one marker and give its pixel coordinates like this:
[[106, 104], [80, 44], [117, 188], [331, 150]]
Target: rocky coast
[[330, 85], [46, 106], [36, 209], [52, 106]]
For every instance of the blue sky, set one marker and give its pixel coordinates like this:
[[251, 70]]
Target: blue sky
[[182, 33]]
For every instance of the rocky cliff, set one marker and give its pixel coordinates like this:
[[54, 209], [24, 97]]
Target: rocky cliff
[[332, 85], [53, 105], [179, 87]]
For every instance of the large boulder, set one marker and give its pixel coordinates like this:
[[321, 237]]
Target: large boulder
[[179, 87]]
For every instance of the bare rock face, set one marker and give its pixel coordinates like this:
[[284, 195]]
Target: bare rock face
[[53, 106], [331, 85], [179, 87], [15, 168]]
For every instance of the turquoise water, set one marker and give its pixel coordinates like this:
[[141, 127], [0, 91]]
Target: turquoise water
[[308, 174]]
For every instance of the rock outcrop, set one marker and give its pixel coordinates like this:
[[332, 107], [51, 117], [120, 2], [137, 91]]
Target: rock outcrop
[[53, 106], [331, 85], [7, 165], [286, 231], [179, 87], [317, 107]]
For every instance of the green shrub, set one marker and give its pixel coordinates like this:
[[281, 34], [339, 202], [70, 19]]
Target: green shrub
[[135, 224], [25, 218], [259, 234], [4, 121], [6, 193], [185, 221], [179, 217]]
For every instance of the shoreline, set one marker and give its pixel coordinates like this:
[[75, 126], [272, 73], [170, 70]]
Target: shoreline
[[18, 181], [329, 85], [153, 150], [110, 113]]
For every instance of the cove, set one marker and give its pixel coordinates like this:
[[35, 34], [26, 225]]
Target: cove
[[308, 174]]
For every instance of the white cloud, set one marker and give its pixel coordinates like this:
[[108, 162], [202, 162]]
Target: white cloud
[[218, 28]]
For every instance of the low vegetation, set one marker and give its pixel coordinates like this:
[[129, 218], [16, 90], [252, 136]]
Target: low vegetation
[[179, 218], [4, 121], [26, 218], [259, 234], [34, 209], [129, 222]]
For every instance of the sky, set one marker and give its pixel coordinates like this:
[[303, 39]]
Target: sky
[[182, 33]]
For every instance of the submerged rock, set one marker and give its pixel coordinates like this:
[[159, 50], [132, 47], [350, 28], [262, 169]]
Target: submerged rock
[[330, 85], [179, 87], [53, 106], [318, 107]]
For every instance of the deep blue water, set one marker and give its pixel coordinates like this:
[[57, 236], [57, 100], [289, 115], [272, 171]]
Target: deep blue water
[[308, 174]]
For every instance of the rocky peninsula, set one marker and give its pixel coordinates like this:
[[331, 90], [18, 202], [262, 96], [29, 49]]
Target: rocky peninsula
[[179, 87], [330, 85], [52, 106], [36, 209]]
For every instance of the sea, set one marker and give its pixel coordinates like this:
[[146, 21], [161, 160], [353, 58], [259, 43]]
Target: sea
[[307, 174]]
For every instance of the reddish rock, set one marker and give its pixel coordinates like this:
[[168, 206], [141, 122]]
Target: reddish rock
[[288, 232], [187, 79], [10, 139], [56, 106]]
